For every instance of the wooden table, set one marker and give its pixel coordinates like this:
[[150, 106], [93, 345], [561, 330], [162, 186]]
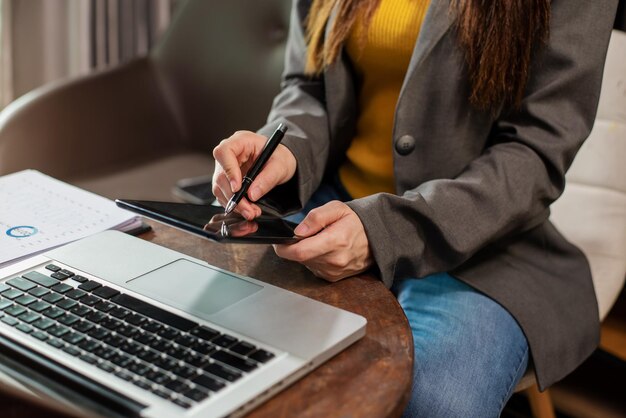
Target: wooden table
[[372, 378]]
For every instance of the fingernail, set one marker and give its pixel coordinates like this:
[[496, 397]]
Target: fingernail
[[234, 186], [301, 229], [247, 214]]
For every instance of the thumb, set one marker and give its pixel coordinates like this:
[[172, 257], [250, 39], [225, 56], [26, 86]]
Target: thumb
[[320, 218]]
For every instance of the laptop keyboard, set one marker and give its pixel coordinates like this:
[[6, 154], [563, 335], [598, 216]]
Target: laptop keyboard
[[171, 356]]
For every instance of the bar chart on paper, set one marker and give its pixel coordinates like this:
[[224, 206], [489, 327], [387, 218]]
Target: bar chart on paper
[[38, 212]]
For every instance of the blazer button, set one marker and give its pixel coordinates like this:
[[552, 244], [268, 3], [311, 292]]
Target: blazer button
[[405, 145]]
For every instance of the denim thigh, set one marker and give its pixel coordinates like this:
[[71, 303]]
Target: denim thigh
[[469, 352]]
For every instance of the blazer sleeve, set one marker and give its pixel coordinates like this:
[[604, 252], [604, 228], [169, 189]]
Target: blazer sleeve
[[506, 190], [301, 106]]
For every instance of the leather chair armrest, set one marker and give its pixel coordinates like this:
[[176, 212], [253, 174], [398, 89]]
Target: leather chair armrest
[[79, 127]]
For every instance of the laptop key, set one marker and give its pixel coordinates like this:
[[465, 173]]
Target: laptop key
[[99, 333], [95, 316], [76, 294], [261, 356], [71, 350], [21, 284], [152, 326], [83, 326], [121, 360], [43, 323], [107, 367], [196, 359], [79, 279], [225, 341], [53, 268], [29, 317], [10, 321], [177, 385], [24, 328], [42, 336], [54, 312], [59, 276], [119, 313], [205, 333], [67, 272], [146, 338], [182, 403], [39, 306], [113, 340], [104, 352], [40, 279], [73, 338], [58, 330], [89, 286], [127, 331], [89, 345], [158, 377], [66, 304], [90, 300], [166, 363], [234, 361], [5, 303], [196, 394], [52, 297], [183, 371], [61, 288], [26, 300], [12, 294], [154, 312], [15, 310], [148, 355], [242, 348], [88, 358], [68, 319], [56, 343], [223, 372], [131, 347], [104, 306], [38, 291], [110, 323], [208, 382], [169, 333], [161, 393], [80, 310], [143, 384], [106, 292], [135, 319]]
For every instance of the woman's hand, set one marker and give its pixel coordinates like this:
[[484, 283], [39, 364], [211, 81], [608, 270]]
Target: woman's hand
[[335, 245], [234, 156]]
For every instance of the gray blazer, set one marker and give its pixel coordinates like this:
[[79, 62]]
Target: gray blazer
[[473, 188]]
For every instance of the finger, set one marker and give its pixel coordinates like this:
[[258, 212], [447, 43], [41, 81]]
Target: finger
[[307, 249], [221, 183], [230, 154], [321, 217], [272, 175]]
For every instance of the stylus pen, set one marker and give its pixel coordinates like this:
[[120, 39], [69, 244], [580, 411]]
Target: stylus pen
[[256, 168]]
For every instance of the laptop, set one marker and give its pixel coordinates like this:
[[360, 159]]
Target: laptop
[[135, 329]]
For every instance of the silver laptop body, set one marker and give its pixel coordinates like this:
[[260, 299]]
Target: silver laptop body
[[247, 339]]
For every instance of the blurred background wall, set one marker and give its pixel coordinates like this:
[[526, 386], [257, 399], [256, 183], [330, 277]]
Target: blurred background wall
[[45, 40]]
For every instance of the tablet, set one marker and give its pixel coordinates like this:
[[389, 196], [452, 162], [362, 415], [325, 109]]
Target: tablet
[[211, 222]]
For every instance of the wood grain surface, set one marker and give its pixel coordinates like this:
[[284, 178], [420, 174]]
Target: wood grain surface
[[371, 378]]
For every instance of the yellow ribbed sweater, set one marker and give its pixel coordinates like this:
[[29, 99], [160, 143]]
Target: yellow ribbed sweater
[[381, 62]]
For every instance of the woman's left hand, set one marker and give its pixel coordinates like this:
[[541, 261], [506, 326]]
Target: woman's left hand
[[334, 246]]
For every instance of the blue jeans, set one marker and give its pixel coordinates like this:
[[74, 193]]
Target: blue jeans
[[469, 352]]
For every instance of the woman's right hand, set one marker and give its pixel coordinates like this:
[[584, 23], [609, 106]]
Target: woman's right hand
[[234, 156]]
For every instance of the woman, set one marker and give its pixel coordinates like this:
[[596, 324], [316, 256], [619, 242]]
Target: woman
[[431, 140]]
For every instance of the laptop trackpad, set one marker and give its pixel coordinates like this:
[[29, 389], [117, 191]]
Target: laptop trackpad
[[192, 287]]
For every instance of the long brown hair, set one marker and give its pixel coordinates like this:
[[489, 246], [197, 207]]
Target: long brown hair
[[498, 38]]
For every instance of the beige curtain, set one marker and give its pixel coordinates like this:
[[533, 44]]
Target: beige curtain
[[46, 40], [6, 70]]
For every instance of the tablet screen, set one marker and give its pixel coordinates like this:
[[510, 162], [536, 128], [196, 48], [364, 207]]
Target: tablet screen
[[211, 222]]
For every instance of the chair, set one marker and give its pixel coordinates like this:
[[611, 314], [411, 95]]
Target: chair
[[591, 213], [134, 130]]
